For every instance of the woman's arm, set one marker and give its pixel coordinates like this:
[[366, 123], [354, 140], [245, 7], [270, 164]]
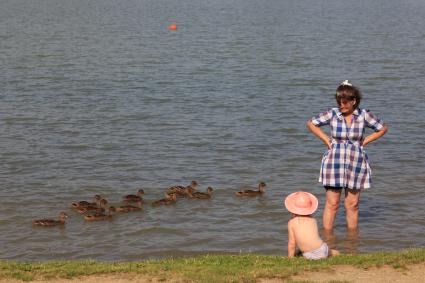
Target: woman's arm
[[376, 135], [319, 133]]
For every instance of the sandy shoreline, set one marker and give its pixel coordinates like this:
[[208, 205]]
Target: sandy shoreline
[[345, 273]]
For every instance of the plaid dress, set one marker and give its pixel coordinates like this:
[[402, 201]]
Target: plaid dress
[[345, 164]]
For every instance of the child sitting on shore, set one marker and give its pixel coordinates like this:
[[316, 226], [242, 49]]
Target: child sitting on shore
[[302, 228]]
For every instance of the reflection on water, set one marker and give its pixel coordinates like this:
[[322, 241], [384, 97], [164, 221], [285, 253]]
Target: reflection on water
[[330, 238], [348, 243], [351, 241]]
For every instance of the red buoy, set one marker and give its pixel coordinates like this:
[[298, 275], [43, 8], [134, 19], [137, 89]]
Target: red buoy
[[172, 27]]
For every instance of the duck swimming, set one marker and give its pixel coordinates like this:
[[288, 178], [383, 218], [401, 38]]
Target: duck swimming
[[51, 222], [127, 208], [252, 193], [99, 216], [183, 191], [83, 203], [134, 198], [179, 191], [200, 195], [92, 208], [170, 198]]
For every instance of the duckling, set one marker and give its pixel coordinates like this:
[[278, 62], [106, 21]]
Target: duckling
[[83, 203], [134, 198], [98, 216], [170, 198], [183, 191], [127, 208], [91, 208], [51, 222], [252, 193], [200, 195]]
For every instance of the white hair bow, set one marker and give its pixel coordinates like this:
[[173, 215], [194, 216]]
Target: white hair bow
[[346, 83]]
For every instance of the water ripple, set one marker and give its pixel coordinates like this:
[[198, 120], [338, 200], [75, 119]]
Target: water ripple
[[109, 105]]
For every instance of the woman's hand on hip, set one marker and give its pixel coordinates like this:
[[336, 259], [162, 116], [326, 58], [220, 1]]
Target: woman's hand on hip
[[328, 144], [320, 134]]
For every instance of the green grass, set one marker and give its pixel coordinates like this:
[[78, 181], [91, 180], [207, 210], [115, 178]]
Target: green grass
[[208, 268]]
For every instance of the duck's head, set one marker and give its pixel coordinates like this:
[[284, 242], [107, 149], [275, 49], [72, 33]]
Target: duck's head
[[63, 216], [97, 197], [140, 192], [103, 202], [210, 190], [262, 186], [193, 184]]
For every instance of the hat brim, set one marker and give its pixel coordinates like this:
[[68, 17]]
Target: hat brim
[[291, 207]]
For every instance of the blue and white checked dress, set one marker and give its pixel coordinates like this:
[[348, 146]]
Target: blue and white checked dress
[[346, 164]]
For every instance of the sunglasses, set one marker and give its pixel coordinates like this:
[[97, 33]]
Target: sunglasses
[[344, 100], [339, 98]]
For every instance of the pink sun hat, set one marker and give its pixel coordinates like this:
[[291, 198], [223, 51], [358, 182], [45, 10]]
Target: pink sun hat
[[301, 203]]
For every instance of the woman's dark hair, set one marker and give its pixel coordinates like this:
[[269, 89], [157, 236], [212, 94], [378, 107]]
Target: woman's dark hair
[[348, 92]]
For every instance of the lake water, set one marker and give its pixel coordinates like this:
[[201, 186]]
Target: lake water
[[99, 97]]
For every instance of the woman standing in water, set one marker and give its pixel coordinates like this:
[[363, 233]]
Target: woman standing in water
[[345, 164]]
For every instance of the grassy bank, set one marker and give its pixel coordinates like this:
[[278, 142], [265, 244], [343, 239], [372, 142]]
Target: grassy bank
[[209, 268]]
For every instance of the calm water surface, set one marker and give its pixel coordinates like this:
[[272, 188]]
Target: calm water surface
[[99, 97]]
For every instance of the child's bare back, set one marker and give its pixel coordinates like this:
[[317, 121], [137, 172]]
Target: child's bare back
[[304, 231]]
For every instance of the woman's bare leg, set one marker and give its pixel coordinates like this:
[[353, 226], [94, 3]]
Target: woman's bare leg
[[331, 208], [352, 199]]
